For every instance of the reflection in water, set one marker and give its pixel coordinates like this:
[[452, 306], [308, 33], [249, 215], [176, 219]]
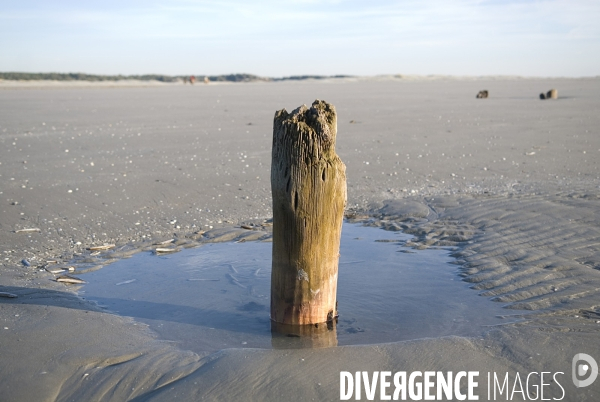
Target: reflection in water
[[217, 296], [286, 336]]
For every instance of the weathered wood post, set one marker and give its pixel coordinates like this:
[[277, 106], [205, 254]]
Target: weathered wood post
[[286, 336], [308, 185]]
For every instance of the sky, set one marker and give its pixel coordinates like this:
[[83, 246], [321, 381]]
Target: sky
[[279, 38]]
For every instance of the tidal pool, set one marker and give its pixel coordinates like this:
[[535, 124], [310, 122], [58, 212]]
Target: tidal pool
[[217, 296]]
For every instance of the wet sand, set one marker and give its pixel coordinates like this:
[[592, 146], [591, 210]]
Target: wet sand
[[510, 183]]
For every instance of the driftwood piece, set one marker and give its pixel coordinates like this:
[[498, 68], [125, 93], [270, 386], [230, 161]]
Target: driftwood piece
[[551, 94], [308, 184]]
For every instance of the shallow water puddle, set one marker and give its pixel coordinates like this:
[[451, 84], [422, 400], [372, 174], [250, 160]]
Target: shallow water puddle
[[217, 296]]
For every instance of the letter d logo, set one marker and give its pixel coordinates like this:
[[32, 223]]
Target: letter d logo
[[580, 370]]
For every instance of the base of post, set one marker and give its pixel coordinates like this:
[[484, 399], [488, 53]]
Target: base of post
[[322, 335]]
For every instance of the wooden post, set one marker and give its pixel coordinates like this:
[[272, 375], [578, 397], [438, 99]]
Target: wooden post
[[308, 185], [285, 336]]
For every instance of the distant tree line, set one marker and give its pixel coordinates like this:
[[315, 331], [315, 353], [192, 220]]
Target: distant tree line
[[15, 76], [236, 78], [84, 77], [308, 77]]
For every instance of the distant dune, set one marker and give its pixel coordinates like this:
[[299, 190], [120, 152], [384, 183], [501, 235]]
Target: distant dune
[[20, 79], [18, 76]]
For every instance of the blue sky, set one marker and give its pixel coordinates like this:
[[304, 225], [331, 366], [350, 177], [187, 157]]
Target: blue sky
[[297, 37]]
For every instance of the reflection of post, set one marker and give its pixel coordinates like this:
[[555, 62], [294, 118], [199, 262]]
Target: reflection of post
[[284, 336], [308, 184]]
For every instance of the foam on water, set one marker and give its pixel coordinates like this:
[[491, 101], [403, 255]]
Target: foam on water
[[217, 296]]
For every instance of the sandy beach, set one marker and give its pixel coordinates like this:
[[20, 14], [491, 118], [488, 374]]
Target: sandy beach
[[509, 184]]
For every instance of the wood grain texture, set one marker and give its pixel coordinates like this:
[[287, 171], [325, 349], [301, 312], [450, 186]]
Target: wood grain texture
[[308, 184]]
